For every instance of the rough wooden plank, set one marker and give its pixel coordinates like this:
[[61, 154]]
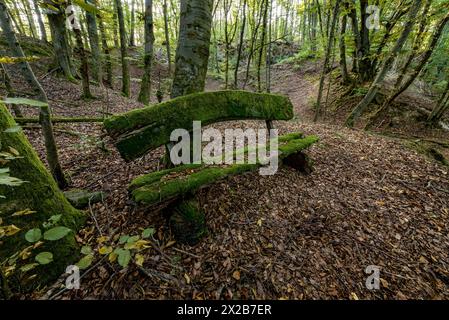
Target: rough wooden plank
[[158, 187], [142, 130]]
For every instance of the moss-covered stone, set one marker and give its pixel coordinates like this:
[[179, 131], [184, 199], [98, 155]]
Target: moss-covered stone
[[187, 222], [39, 194], [142, 130], [162, 186]]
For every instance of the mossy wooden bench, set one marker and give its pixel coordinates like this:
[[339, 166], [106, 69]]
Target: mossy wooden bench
[[172, 190]]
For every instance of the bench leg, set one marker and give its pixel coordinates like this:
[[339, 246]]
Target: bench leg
[[300, 162], [187, 221]]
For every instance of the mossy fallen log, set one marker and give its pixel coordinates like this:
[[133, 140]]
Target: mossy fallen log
[[142, 130], [159, 187], [60, 120]]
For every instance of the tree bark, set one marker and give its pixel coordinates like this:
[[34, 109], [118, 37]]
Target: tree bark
[[44, 114], [386, 65], [40, 21], [192, 54], [123, 49], [167, 38], [106, 52], [40, 194], [94, 42], [145, 89], [342, 45], [240, 46], [327, 59]]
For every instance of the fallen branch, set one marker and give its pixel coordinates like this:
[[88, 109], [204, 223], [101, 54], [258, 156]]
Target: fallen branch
[[60, 120]]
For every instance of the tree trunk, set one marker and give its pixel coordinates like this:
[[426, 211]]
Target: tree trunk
[[262, 46], [167, 38], [84, 66], [39, 194], [386, 65], [123, 49], [10, 91], [330, 45], [145, 90], [441, 107], [192, 54], [57, 21], [44, 115], [40, 20], [106, 52], [29, 14], [240, 47], [94, 42], [132, 42], [342, 44]]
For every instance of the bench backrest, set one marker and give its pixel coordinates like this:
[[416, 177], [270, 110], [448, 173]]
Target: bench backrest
[[139, 131]]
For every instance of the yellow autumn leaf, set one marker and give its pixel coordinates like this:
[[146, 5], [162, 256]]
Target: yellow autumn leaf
[[354, 296], [11, 230], [37, 244], [112, 257], [26, 253], [105, 250], [170, 243], [259, 222], [139, 259], [186, 276], [236, 275], [102, 239], [25, 212]]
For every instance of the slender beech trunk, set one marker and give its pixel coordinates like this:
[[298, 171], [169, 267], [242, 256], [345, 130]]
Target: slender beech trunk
[[329, 47], [342, 44], [145, 89], [40, 20], [412, 77], [416, 45], [386, 65], [262, 46], [441, 107], [123, 49], [240, 46], [167, 37], [29, 14], [132, 41], [44, 114], [106, 52], [94, 42], [84, 66]]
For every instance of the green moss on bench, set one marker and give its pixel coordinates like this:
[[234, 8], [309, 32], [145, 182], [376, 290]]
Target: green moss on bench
[[142, 130], [158, 187]]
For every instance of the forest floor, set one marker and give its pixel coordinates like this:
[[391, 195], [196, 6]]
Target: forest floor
[[370, 201]]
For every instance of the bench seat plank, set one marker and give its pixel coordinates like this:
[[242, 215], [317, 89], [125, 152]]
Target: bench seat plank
[[162, 186]]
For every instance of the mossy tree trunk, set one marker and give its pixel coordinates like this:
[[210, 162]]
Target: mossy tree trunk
[[106, 52], [132, 42], [57, 21], [84, 66], [167, 37], [145, 89], [40, 20], [30, 18], [192, 54], [386, 65], [92, 30], [123, 49], [39, 194], [44, 114]]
